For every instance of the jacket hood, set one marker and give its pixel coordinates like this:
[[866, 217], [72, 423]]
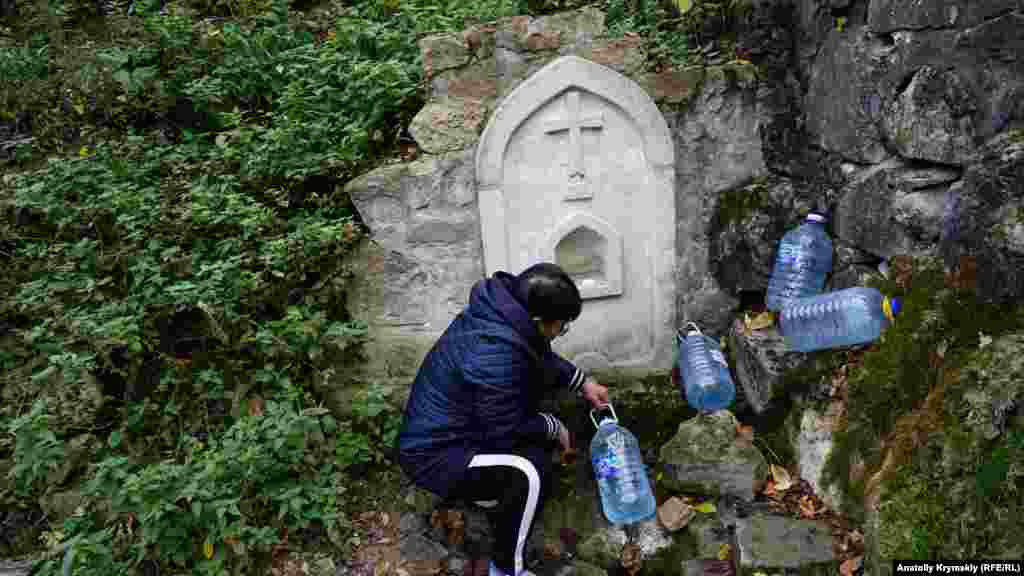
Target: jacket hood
[[495, 299]]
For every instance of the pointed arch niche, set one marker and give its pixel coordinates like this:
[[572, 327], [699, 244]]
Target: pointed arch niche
[[590, 251], [576, 167]]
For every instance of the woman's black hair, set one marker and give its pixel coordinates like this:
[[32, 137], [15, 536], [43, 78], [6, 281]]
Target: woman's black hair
[[549, 293]]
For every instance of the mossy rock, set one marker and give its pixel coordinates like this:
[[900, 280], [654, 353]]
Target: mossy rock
[[972, 465], [706, 457], [934, 337]]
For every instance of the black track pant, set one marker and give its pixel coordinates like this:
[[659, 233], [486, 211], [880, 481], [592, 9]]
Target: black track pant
[[517, 481]]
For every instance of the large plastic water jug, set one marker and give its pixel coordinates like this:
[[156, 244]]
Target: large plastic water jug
[[842, 318], [802, 261], [707, 383], [626, 495]]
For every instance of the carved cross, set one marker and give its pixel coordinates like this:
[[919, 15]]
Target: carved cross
[[575, 125]]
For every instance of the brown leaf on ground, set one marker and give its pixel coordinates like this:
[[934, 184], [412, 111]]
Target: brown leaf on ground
[[456, 528], [965, 277], [255, 406], [851, 566], [763, 320], [437, 519], [745, 432], [631, 559], [552, 551], [902, 269], [782, 480], [807, 507], [675, 514]]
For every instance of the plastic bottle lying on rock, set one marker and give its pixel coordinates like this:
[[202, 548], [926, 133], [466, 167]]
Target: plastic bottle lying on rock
[[626, 496], [802, 261], [707, 384], [843, 318]]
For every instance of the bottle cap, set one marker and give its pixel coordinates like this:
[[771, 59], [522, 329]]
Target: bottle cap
[[891, 307], [815, 217]]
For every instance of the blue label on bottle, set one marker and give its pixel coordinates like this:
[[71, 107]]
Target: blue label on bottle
[[608, 467]]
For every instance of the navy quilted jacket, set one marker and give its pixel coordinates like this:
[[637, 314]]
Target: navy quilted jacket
[[479, 388]]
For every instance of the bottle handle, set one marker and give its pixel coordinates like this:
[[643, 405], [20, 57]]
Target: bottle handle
[[681, 336], [615, 417]]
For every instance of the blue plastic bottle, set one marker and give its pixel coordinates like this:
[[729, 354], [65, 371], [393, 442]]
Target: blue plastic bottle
[[802, 262], [843, 318], [626, 496], [707, 384]]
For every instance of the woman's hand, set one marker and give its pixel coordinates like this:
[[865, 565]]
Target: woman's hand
[[596, 394], [564, 440]]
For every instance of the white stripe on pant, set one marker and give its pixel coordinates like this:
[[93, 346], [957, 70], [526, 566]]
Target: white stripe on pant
[[532, 496]]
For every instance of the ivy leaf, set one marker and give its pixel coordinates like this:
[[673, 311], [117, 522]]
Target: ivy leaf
[[115, 439], [706, 508]]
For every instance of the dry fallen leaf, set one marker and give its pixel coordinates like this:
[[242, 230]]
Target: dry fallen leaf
[[850, 567], [763, 320], [781, 478], [456, 528], [552, 551], [807, 508], [745, 432], [706, 507], [437, 519], [631, 558], [675, 514], [256, 406]]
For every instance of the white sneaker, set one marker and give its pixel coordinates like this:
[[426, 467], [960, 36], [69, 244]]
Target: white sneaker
[[495, 571]]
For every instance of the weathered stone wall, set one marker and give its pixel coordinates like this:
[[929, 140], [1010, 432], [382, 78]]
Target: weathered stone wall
[[903, 122], [426, 253]]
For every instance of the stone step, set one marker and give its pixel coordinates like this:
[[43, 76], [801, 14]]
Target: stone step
[[15, 567]]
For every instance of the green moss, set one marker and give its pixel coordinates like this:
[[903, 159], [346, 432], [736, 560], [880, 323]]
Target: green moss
[[738, 204], [915, 519], [903, 137], [942, 461], [897, 375], [671, 559]]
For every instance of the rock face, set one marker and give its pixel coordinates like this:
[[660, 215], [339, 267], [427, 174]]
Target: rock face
[[748, 223], [706, 456], [879, 85], [907, 96], [719, 149], [782, 542], [886, 211], [981, 402], [813, 446], [15, 567], [984, 217], [761, 359], [891, 15]]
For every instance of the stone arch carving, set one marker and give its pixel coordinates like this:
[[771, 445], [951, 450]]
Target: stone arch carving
[[610, 281], [553, 79], [547, 83]]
